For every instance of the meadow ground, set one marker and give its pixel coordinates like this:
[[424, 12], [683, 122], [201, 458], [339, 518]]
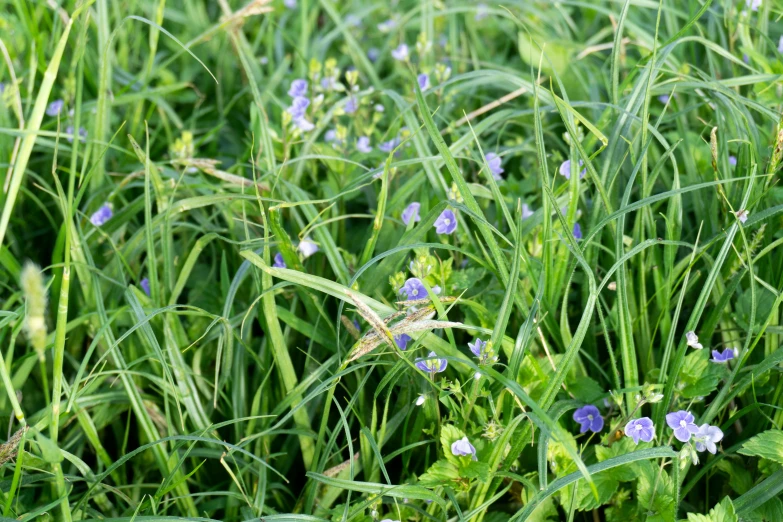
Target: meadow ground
[[315, 260]]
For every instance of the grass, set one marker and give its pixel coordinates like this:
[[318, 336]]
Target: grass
[[189, 358]]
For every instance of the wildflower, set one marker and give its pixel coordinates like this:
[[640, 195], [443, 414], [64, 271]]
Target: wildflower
[[363, 145], [446, 222], [780, 45], [742, 215], [401, 53], [389, 520], [70, 135], [402, 341], [420, 400], [424, 81], [565, 169], [477, 375], [387, 25], [307, 247], [493, 160], [379, 108], [526, 211], [145, 285], [328, 82], [432, 364], [102, 215], [279, 262], [298, 107], [463, 448], [577, 231], [481, 12], [290, 4], [54, 108], [390, 145], [693, 340], [330, 136], [753, 4], [640, 429], [477, 347], [351, 105], [590, 419], [303, 124], [722, 358], [373, 54], [746, 58], [682, 424], [411, 212], [706, 437], [733, 159], [298, 88], [663, 98], [413, 289]]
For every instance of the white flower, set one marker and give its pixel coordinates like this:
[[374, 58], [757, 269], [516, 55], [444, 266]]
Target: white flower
[[477, 375], [420, 400], [693, 340], [742, 215], [307, 247]]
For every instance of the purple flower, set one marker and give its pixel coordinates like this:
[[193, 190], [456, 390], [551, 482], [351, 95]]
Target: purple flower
[[413, 289], [577, 231], [565, 169], [298, 107], [706, 437], [379, 108], [402, 341], [494, 162], [390, 145], [69, 133], [411, 212], [463, 448], [477, 347], [363, 145], [640, 429], [446, 222], [780, 46], [432, 364], [682, 424], [351, 105], [145, 285], [400, 53], [424, 81], [330, 136], [102, 215], [373, 54], [298, 89], [307, 247], [746, 58], [328, 82], [290, 4], [54, 108], [722, 358], [753, 4], [733, 159], [663, 98], [590, 419], [387, 25], [526, 211], [279, 261], [303, 124]]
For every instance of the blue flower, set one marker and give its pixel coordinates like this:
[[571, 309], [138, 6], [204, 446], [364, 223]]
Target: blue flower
[[463, 448], [477, 347], [590, 419], [753, 4], [373, 54], [298, 89], [411, 212], [279, 262], [102, 215], [526, 211], [682, 424], [307, 247], [54, 108], [446, 222], [663, 98], [363, 145], [303, 124], [722, 358], [640, 429], [390, 145], [402, 340], [424, 81], [565, 169], [577, 231], [706, 437], [494, 162], [432, 364], [387, 25], [413, 289], [69, 133], [733, 159], [298, 107], [145, 285], [351, 105], [780, 45], [401, 53], [290, 4]]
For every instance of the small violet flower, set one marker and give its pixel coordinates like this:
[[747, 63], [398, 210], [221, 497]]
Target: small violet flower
[[145, 285], [351, 105], [693, 340], [577, 231], [290, 4], [526, 211], [387, 26], [413, 289], [494, 162], [279, 262], [307, 247], [401, 53], [780, 45], [298, 107], [590, 419], [477, 347], [640, 429], [722, 358], [424, 81], [54, 108], [411, 212], [446, 222], [733, 159], [663, 98], [363, 145], [390, 145], [432, 364], [70, 135], [682, 424], [565, 169], [753, 4], [402, 341], [706, 437], [373, 54], [463, 448], [298, 88], [742, 215], [102, 215]]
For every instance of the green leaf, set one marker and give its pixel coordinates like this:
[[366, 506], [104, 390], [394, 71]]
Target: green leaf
[[767, 445], [723, 512], [622, 447], [585, 500], [475, 470], [49, 450], [449, 434], [740, 479], [439, 474], [655, 492]]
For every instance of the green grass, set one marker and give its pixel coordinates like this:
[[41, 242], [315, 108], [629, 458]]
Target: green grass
[[236, 389]]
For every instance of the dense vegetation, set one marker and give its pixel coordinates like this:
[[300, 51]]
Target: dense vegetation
[[311, 260]]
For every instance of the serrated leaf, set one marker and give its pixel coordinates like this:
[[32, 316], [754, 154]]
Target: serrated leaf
[[621, 447], [439, 474], [655, 492], [723, 512], [767, 445], [475, 470], [585, 500]]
